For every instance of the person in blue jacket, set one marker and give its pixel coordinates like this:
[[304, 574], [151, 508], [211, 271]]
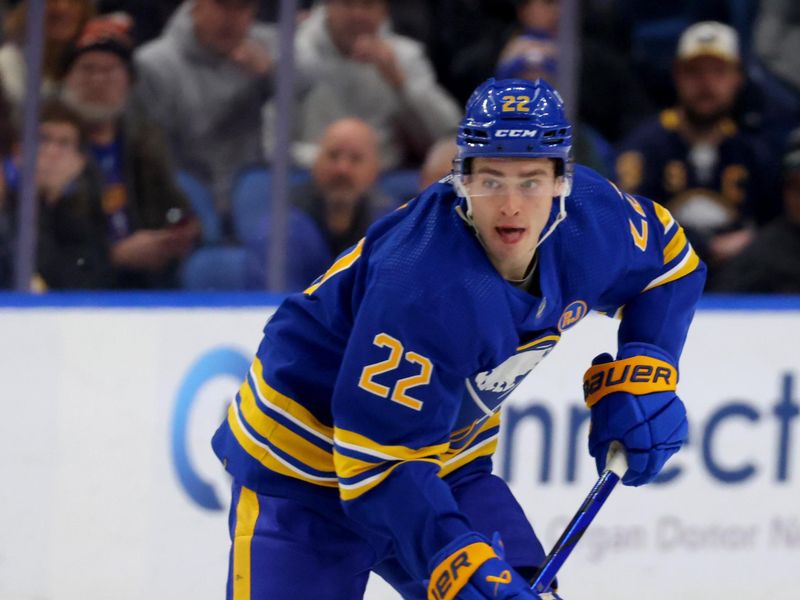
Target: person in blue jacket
[[362, 437]]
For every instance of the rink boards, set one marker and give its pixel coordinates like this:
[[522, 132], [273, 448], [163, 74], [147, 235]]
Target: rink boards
[[110, 488]]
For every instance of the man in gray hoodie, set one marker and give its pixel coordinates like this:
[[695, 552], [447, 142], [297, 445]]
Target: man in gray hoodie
[[357, 66], [204, 82]]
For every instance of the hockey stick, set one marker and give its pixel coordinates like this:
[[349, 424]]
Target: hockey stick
[[616, 465]]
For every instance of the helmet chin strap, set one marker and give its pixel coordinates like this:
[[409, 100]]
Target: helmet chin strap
[[467, 215]]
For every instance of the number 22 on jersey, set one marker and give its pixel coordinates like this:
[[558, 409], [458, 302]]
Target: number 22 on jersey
[[396, 354]]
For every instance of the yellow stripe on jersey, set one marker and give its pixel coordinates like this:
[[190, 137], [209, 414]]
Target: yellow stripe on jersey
[[289, 408], [284, 439], [354, 490], [348, 467], [547, 338], [454, 459], [663, 216], [686, 266], [484, 448], [675, 246], [493, 421], [266, 456], [460, 434], [364, 445], [340, 265], [247, 510]]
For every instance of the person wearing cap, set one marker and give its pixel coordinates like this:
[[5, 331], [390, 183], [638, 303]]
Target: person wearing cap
[[692, 157], [204, 81], [771, 263], [148, 220]]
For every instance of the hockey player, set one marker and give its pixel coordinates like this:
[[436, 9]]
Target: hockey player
[[361, 439]]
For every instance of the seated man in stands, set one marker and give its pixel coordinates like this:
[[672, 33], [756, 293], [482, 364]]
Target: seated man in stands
[[692, 158], [342, 196], [148, 220], [357, 66]]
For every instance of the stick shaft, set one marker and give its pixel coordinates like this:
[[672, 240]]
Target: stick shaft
[[575, 530]]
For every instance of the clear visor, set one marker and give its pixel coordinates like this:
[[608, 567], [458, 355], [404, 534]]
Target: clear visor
[[527, 181]]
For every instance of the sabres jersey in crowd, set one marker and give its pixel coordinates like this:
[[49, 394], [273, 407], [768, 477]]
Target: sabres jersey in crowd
[[726, 181], [384, 380]]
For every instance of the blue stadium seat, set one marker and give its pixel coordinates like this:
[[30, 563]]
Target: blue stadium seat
[[250, 200], [400, 185], [307, 256], [202, 203], [220, 268]]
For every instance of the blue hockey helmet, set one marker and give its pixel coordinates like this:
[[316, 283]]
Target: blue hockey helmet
[[514, 118]]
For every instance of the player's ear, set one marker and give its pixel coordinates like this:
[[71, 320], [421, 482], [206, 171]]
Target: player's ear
[[560, 185]]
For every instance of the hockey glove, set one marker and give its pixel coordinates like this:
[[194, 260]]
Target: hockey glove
[[633, 400], [468, 568]]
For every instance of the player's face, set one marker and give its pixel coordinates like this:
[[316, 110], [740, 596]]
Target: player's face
[[511, 201], [707, 87]]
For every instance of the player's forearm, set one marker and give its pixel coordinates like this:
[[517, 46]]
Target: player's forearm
[[415, 508], [661, 316]]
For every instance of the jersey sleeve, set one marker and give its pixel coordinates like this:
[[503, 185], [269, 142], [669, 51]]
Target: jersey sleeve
[[662, 279], [394, 405]]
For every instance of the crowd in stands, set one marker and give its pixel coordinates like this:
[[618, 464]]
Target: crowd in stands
[[158, 118]]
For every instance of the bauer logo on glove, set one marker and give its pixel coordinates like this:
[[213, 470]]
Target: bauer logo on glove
[[637, 375]]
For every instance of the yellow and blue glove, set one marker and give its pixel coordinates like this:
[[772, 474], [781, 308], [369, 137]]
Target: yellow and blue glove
[[470, 568], [632, 400]]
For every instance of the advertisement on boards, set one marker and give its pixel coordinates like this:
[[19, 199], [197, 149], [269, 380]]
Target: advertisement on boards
[[111, 488]]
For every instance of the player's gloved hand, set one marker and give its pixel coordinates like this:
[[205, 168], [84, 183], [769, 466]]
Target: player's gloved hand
[[469, 568], [633, 400]]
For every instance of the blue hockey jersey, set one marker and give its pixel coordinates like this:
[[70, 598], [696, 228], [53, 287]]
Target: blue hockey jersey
[[385, 378]]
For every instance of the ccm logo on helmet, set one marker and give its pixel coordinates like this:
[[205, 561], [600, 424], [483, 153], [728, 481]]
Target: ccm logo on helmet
[[515, 133]]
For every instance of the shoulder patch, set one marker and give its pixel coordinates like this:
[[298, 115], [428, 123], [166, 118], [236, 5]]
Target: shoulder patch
[[573, 313]]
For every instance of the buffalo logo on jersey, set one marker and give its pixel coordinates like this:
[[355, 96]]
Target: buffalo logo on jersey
[[573, 313], [494, 385]]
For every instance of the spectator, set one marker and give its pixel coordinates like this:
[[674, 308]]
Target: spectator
[[465, 40], [204, 82], [63, 22], [358, 67], [342, 197], [777, 38], [72, 251], [148, 223], [692, 158], [771, 263], [532, 56], [438, 162], [534, 33]]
